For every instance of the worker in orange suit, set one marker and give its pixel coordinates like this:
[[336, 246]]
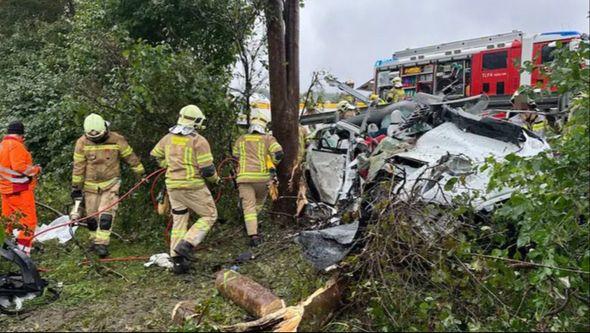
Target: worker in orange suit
[[17, 183]]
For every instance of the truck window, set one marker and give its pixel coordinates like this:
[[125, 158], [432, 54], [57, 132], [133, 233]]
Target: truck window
[[547, 54], [499, 88], [496, 60]]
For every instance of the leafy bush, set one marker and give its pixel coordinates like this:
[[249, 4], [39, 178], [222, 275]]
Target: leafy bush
[[525, 267]]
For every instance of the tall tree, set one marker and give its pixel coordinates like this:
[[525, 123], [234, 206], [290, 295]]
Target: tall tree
[[282, 20]]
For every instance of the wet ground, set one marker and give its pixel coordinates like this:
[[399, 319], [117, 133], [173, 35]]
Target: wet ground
[[126, 296]]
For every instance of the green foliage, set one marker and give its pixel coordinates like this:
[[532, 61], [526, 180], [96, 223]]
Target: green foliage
[[61, 60], [525, 267], [550, 207]]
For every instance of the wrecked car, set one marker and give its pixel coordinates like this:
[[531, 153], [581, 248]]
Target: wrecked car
[[422, 145]]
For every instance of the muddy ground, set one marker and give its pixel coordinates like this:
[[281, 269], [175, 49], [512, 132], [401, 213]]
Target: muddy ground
[[127, 296]]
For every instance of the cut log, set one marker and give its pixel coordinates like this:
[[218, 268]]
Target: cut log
[[309, 315], [248, 294]]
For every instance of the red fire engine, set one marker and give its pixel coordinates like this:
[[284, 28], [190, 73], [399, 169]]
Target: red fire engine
[[487, 65]]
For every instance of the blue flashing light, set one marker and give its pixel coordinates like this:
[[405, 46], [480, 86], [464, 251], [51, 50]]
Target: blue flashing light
[[562, 33]]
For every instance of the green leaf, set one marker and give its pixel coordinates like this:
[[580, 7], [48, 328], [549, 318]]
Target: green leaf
[[451, 183]]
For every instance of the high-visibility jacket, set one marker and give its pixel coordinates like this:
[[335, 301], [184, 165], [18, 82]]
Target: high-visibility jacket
[[395, 95], [17, 172], [97, 166], [188, 160], [252, 150], [303, 133]]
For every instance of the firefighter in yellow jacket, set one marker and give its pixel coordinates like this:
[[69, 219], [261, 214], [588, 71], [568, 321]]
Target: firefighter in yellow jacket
[[396, 94], [97, 176], [189, 162], [251, 150]]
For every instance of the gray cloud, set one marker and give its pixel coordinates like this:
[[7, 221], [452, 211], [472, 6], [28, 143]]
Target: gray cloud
[[346, 37]]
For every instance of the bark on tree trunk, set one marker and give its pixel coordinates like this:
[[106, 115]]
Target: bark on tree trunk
[[283, 55]]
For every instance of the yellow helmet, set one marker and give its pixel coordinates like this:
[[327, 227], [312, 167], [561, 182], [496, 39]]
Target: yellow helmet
[[95, 127], [345, 105], [373, 97], [191, 116]]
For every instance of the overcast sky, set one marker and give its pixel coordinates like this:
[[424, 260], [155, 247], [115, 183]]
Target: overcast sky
[[346, 37]]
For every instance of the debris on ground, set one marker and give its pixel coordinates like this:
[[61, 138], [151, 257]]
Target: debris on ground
[[160, 260], [63, 234], [326, 247]]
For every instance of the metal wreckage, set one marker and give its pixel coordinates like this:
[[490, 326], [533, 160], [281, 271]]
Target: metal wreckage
[[416, 145]]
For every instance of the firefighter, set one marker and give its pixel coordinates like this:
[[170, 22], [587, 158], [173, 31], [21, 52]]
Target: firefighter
[[375, 97], [251, 150], [531, 120], [96, 177], [189, 162], [346, 109], [397, 93], [18, 178]]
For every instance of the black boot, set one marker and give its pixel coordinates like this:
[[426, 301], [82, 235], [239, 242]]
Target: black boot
[[255, 240], [180, 265], [186, 250], [101, 250]]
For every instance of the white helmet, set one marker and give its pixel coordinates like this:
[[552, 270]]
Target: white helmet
[[258, 121], [95, 127]]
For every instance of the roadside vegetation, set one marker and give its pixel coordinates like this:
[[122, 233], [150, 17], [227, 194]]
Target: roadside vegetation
[[526, 266]]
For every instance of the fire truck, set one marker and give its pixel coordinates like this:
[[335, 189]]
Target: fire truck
[[470, 67]]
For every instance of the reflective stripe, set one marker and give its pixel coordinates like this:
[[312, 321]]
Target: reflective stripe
[[102, 235], [18, 180], [235, 150], [252, 217], [275, 147], [79, 157], [162, 163], [242, 157], [253, 177], [138, 169], [256, 138], [202, 225], [77, 179], [179, 140], [175, 234], [91, 185], [193, 183], [188, 163], [261, 155], [202, 159], [157, 152], [127, 152], [101, 147]]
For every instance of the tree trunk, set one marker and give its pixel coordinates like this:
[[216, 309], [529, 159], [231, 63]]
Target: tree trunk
[[283, 55]]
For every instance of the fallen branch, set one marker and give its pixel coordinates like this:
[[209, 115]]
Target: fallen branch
[[528, 263]]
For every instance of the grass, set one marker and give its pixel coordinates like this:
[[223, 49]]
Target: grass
[[125, 296]]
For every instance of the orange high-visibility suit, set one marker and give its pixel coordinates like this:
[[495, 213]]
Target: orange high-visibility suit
[[17, 183]]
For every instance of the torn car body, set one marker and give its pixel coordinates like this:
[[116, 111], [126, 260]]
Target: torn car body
[[433, 150]]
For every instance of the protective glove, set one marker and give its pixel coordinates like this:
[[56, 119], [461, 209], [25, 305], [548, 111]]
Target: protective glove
[[76, 193]]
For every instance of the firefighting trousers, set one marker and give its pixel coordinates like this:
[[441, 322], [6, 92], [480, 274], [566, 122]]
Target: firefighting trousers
[[100, 226], [252, 196], [20, 207], [201, 202]]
